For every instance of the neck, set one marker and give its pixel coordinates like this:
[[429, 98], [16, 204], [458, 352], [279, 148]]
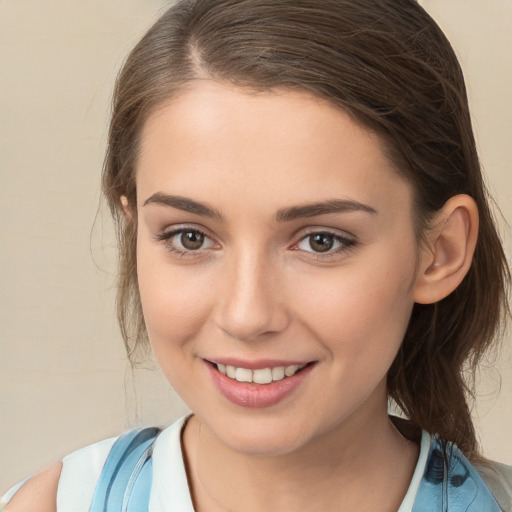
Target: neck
[[354, 475]]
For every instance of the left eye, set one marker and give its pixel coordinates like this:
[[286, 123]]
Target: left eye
[[323, 242]]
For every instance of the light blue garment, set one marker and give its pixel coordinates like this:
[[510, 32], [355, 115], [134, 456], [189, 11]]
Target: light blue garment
[[449, 483], [125, 481]]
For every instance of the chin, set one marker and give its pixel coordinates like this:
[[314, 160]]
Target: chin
[[262, 445], [268, 436]]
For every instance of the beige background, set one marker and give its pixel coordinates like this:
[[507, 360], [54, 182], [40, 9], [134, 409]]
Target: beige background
[[64, 381]]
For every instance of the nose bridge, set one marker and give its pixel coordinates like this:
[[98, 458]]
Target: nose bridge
[[251, 302]]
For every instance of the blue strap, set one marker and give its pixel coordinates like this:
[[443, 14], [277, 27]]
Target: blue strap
[[137, 498], [451, 484], [125, 481]]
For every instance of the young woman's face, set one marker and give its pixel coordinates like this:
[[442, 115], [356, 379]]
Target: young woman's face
[[272, 233]]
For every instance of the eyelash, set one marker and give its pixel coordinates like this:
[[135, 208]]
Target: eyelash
[[167, 236], [346, 243]]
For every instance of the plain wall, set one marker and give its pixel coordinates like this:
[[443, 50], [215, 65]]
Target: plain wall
[[64, 381]]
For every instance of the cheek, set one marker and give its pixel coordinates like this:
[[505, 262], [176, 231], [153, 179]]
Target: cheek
[[175, 300], [362, 311]]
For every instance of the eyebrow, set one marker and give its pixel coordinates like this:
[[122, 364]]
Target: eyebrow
[[322, 208], [185, 204], [282, 215]]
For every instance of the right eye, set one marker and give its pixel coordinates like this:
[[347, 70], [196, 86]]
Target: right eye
[[185, 240]]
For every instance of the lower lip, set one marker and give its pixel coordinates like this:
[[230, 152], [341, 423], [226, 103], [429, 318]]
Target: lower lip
[[257, 395]]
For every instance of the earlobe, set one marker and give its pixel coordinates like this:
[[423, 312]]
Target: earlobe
[[127, 211], [448, 255]]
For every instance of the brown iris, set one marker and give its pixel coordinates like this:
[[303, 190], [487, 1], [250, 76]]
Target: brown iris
[[321, 242], [192, 240]]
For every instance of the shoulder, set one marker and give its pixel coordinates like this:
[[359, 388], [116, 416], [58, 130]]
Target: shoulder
[[451, 481], [38, 494], [68, 485], [498, 478], [73, 483]]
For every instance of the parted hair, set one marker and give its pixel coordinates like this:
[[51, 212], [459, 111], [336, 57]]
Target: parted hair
[[386, 63]]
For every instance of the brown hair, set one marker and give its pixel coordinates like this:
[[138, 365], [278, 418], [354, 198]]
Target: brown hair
[[388, 64]]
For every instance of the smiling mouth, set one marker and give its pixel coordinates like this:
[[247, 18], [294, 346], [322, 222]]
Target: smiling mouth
[[261, 375]]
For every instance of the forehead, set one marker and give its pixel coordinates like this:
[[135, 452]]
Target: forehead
[[271, 148]]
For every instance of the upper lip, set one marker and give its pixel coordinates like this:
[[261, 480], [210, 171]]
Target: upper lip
[[257, 364]]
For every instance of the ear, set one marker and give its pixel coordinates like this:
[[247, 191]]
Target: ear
[[127, 210], [448, 254]]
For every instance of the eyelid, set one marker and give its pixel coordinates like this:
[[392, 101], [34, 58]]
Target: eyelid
[[170, 230], [313, 230]]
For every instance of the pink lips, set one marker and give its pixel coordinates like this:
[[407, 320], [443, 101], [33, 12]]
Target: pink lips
[[257, 395]]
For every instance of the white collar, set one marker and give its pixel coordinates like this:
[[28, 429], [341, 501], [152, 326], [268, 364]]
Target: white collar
[[170, 491], [169, 488]]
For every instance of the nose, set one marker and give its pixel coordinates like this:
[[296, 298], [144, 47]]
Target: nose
[[251, 300]]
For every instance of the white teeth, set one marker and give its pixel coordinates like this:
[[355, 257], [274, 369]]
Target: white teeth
[[243, 375], [278, 373], [263, 376], [260, 376], [290, 370]]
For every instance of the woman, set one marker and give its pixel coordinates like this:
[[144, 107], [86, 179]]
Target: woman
[[304, 235]]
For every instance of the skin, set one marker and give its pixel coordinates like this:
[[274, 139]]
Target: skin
[[39, 494], [257, 288]]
